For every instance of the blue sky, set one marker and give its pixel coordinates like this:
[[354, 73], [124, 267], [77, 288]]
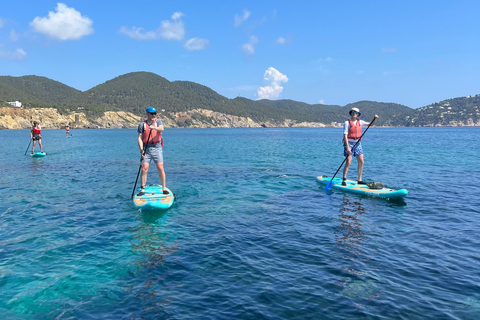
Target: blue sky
[[332, 52]]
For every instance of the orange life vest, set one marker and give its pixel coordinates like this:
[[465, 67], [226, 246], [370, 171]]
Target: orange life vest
[[155, 136], [35, 130], [355, 131]]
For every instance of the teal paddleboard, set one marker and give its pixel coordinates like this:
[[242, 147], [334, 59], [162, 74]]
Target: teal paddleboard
[[354, 187], [154, 199], [38, 154]]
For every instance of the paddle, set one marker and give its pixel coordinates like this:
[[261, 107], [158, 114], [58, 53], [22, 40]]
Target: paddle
[[140, 168], [329, 185], [28, 146]]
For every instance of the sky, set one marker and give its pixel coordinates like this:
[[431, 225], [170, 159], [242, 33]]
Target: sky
[[319, 52]]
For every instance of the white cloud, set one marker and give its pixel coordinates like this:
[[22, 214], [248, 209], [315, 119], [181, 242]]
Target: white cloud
[[281, 40], [321, 101], [168, 30], [249, 47], [274, 89], [64, 24], [177, 15], [16, 55], [196, 44], [13, 35], [240, 18], [2, 23]]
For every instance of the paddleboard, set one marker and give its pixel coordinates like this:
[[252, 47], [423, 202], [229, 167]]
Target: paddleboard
[[353, 187], [154, 199], [38, 154]]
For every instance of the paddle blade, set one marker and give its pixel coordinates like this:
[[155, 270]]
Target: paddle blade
[[329, 185]]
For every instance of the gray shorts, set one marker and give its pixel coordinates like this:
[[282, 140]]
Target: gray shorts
[[154, 153]]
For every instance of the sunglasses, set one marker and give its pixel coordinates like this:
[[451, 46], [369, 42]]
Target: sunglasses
[[153, 113]]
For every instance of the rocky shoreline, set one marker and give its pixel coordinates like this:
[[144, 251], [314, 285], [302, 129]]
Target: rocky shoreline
[[50, 118]]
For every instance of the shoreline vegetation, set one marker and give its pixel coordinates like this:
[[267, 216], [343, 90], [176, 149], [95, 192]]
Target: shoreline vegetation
[[121, 103]]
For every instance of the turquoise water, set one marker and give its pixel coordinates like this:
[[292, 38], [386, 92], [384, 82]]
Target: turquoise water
[[252, 234]]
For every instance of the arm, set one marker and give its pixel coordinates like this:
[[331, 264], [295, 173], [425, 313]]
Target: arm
[[159, 128], [346, 126], [140, 144], [345, 143]]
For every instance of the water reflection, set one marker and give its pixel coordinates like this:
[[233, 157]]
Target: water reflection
[[151, 242], [358, 282]]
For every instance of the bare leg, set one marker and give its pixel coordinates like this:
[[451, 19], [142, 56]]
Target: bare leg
[[143, 179], [40, 144], [360, 166], [33, 146], [347, 166], [161, 174]]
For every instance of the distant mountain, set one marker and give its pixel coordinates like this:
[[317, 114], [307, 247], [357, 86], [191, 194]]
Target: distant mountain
[[34, 89], [133, 92], [447, 112]]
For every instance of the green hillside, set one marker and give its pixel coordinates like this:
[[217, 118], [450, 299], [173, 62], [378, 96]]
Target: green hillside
[[34, 89], [133, 92], [447, 111]]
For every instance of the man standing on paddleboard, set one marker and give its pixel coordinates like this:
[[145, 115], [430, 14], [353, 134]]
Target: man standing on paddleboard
[[150, 142], [352, 131], [36, 135]]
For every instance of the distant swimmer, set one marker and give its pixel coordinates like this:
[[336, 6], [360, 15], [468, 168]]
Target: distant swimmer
[[150, 142], [36, 135], [352, 132]]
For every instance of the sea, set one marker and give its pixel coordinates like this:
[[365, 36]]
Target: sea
[[252, 234]]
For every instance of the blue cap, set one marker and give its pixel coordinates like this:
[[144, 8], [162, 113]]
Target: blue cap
[[151, 110]]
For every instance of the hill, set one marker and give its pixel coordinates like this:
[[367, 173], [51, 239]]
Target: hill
[[451, 112], [182, 100], [31, 89]]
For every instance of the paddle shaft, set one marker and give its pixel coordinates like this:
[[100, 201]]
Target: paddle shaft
[[28, 146], [140, 168], [329, 185]]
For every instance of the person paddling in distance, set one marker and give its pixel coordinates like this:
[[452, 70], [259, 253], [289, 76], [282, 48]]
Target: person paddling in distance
[[67, 130], [36, 135], [352, 131], [150, 143]]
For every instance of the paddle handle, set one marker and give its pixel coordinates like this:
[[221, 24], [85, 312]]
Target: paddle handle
[[353, 148]]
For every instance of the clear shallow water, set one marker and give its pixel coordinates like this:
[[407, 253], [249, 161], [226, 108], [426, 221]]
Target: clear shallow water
[[252, 235]]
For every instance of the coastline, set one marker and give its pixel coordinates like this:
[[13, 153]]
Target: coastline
[[50, 118]]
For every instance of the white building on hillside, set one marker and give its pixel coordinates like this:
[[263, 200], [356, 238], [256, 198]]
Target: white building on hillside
[[16, 104]]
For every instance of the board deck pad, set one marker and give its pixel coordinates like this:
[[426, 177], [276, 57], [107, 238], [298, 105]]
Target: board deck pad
[[354, 187], [153, 199]]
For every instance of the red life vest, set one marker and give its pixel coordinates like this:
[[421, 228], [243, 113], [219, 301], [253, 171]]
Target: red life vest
[[155, 136], [35, 130], [355, 131]]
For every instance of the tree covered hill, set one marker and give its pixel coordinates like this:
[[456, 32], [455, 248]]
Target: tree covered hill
[[134, 91], [34, 89], [447, 112]]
